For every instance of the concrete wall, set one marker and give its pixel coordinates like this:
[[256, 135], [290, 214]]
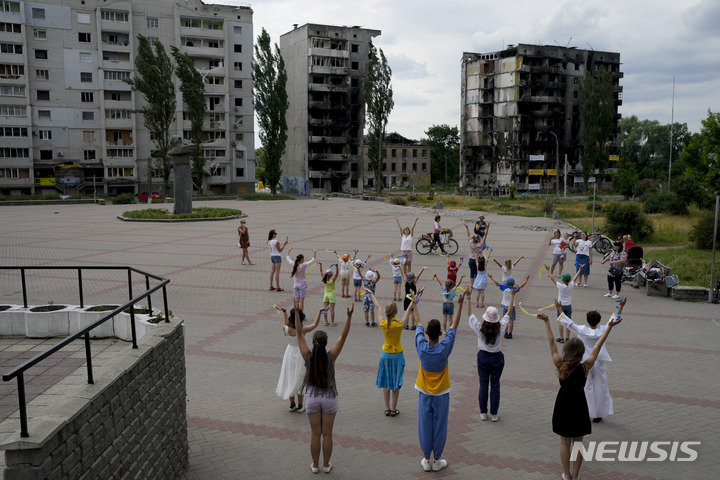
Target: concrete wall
[[130, 424]]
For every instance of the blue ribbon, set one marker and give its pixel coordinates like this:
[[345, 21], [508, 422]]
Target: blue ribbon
[[505, 287]]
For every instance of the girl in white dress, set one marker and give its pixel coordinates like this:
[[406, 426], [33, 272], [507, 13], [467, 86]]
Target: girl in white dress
[[293, 365], [407, 234]]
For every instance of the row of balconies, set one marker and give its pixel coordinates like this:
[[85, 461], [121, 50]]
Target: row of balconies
[[324, 87], [327, 139]]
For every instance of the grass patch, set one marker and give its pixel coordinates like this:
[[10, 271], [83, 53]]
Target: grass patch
[[101, 308], [138, 309], [164, 214], [692, 266], [48, 308], [262, 196]]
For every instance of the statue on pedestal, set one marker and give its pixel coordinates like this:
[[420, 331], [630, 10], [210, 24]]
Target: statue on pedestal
[[182, 186]]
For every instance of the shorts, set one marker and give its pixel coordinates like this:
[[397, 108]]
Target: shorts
[[345, 279], [275, 259], [357, 282], [448, 308], [368, 305], [320, 404], [300, 289], [397, 279], [567, 310], [558, 257], [407, 254], [505, 309], [473, 268], [329, 298]]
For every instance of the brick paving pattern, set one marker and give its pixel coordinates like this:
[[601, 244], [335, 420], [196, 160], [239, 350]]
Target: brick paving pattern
[[663, 378]]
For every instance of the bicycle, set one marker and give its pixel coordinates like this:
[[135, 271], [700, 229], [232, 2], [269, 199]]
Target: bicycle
[[600, 242], [425, 244]]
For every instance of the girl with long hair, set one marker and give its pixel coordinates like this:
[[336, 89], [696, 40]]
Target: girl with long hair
[[392, 361], [298, 275], [275, 259], [292, 371], [329, 295], [406, 244], [571, 417], [244, 242], [583, 255], [321, 391], [411, 282], [617, 259], [557, 252], [490, 359]]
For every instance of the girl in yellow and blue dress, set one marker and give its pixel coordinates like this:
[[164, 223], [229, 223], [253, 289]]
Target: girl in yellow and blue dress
[[392, 361], [328, 280]]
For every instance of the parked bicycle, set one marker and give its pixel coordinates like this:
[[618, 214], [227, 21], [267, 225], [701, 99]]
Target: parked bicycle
[[600, 242], [425, 244]]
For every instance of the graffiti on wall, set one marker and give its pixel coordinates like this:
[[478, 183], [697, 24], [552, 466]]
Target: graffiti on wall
[[294, 185]]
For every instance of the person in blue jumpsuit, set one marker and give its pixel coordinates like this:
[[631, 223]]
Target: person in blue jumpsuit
[[433, 383]]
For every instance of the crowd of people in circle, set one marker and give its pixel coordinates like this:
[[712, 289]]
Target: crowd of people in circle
[[307, 376]]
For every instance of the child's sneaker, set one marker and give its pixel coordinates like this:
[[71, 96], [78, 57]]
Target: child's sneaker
[[293, 407]]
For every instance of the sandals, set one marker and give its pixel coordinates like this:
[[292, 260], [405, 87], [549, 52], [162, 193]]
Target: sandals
[[567, 339], [367, 324], [394, 413], [388, 412], [279, 289], [327, 324], [560, 340], [333, 324], [272, 288]]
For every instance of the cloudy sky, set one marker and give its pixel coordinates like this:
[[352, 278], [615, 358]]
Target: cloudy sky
[[424, 42]]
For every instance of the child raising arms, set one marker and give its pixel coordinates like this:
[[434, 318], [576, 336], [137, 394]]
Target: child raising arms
[[329, 296]]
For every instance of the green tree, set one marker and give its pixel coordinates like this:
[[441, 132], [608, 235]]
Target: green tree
[[154, 79], [379, 103], [626, 178], [260, 165], [701, 156], [192, 87], [444, 142], [597, 112], [271, 104]]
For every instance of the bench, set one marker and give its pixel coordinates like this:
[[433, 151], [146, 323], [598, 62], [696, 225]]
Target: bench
[[655, 286]]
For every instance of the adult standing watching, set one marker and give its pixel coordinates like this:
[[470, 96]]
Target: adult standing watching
[[583, 256], [244, 242], [480, 226], [617, 259], [275, 258], [433, 383]]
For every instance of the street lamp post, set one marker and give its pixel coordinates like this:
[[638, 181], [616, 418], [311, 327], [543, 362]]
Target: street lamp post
[[557, 165]]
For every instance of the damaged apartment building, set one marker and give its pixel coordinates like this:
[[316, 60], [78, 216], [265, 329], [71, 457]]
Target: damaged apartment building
[[519, 107], [326, 68]]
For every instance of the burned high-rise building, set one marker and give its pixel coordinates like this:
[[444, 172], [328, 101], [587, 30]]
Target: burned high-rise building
[[519, 107]]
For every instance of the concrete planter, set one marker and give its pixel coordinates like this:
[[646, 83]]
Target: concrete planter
[[81, 318], [12, 321], [48, 324], [123, 329]]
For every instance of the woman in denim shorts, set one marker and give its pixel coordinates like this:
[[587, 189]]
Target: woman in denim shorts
[[320, 390]]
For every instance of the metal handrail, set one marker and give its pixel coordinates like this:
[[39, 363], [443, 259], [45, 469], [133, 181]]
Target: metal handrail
[[18, 372]]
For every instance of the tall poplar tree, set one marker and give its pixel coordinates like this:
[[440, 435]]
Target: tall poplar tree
[[153, 78], [597, 113], [379, 103], [271, 104], [192, 87]]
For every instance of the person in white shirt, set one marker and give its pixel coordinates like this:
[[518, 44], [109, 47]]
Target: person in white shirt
[[508, 288], [583, 255], [490, 359], [358, 277], [556, 243], [406, 245], [345, 263], [507, 267], [565, 297], [597, 391], [275, 258], [397, 265]]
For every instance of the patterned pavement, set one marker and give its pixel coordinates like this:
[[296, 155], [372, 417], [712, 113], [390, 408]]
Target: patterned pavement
[[663, 378]]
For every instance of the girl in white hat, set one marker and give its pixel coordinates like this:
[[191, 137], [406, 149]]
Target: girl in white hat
[[371, 279]]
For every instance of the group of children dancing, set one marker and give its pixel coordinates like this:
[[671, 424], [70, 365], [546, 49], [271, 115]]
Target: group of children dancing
[[584, 396]]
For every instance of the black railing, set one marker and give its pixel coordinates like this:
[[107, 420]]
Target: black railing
[[18, 372]]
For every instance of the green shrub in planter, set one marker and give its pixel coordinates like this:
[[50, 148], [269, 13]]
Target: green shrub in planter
[[124, 199], [397, 200], [621, 217]]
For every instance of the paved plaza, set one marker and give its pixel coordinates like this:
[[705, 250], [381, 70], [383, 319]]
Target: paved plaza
[[663, 378]]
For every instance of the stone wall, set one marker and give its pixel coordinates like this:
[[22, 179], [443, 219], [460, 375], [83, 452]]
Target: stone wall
[[130, 424], [690, 294]]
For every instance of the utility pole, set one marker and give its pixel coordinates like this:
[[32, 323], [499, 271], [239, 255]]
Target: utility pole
[[712, 265], [672, 119], [557, 165]]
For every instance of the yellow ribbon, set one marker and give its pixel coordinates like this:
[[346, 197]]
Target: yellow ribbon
[[525, 311], [545, 308], [541, 269]]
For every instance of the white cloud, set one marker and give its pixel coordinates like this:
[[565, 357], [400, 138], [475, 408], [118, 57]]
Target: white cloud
[[424, 42]]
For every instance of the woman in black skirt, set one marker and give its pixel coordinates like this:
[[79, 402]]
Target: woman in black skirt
[[571, 419]]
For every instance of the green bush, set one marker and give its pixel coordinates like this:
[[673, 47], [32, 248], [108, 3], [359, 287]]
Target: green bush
[[621, 217], [164, 214], [124, 199], [548, 205], [398, 200], [642, 187], [589, 206], [664, 202], [413, 198], [702, 232]]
